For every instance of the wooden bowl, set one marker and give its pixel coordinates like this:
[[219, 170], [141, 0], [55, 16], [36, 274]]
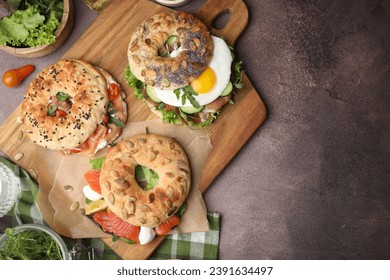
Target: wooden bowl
[[172, 3], [61, 33]]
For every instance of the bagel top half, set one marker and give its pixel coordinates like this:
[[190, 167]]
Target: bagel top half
[[123, 194], [170, 72], [88, 94]]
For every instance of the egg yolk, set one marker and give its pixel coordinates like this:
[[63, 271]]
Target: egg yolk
[[205, 82]]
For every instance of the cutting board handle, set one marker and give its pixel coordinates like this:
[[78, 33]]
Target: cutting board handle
[[237, 21]]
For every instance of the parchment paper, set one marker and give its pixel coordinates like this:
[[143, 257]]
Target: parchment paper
[[71, 169]]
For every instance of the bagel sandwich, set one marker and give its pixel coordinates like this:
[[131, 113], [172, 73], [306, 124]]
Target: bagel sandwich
[[139, 189], [185, 74], [74, 107]]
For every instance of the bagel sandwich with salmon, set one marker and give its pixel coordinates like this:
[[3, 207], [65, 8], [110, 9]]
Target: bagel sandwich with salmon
[[139, 189], [185, 74], [74, 107]]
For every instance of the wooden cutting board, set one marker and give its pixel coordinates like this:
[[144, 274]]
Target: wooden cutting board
[[105, 43]]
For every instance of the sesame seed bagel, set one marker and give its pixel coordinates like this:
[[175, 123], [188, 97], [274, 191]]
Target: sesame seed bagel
[[150, 38], [123, 194], [87, 89]]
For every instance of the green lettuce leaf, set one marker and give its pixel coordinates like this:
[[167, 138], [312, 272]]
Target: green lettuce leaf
[[29, 27], [146, 177], [134, 83], [96, 164]]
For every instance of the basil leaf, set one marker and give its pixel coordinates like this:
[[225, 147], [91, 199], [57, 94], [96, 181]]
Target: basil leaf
[[62, 96], [51, 109]]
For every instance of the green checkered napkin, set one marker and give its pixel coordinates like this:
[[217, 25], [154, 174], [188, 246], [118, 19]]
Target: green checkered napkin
[[199, 245]]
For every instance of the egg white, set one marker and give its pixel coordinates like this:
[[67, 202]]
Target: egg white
[[220, 64], [91, 194]]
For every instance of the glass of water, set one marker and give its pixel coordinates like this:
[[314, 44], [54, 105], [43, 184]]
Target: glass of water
[[9, 189]]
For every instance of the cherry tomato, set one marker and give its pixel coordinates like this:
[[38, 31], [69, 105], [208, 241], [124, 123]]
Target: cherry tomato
[[113, 91], [165, 227], [60, 113], [13, 77], [105, 120]]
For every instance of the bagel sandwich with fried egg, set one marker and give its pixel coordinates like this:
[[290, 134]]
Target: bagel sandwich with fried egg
[[185, 74]]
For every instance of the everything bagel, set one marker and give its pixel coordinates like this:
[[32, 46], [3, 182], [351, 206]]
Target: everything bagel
[[88, 99], [149, 42], [126, 198]]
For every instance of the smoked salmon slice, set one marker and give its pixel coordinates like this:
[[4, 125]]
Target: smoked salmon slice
[[113, 224]]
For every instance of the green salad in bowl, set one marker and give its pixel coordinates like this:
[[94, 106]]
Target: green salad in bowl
[[33, 24], [32, 242]]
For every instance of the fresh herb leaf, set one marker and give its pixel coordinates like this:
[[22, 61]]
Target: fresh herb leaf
[[160, 106], [146, 178], [113, 111], [177, 93], [115, 120], [134, 83], [128, 241], [97, 163], [115, 237], [62, 96], [238, 72], [170, 117], [182, 209], [189, 93], [29, 245], [51, 109]]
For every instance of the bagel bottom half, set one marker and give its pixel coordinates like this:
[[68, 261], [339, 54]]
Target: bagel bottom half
[[126, 198]]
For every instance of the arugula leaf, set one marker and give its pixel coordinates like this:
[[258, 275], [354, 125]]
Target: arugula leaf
[[62, 96], [147, 178], [189, 93], [134, 83], [177, 93], [238, 72], [51, 109], [97, 163]]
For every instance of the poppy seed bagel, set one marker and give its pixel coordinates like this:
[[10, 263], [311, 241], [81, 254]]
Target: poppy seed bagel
[[150, 38]]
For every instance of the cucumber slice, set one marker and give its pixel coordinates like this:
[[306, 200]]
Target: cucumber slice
[[190, 109], [228, 89], [152, 94]]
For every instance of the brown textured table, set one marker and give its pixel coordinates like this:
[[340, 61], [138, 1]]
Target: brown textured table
[[314, 180]]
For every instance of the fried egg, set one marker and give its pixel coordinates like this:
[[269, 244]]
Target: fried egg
[[210, 84]]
